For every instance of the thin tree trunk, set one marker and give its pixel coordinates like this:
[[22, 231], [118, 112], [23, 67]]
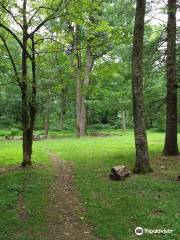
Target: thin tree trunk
[[171, 146], [124, 121], [27, 150], [34, 90], [142, 164], [63, 106], [78, 98], [46, 123], [28, 105]]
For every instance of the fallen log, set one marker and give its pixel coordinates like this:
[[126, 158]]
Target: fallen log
[[39, 137], [9, 137], [178, 178], [98, 134], [36, 138]]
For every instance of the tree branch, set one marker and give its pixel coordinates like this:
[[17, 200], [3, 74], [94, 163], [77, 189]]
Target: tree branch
[[34, 14], [50, 17], [12, 61], [10, 13], [15, 37]]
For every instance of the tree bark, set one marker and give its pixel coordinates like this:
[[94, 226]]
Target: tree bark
[[83, 111], [78, 78], [78, 98], [142, 164], [28, 105], [82, 82], [27, 138], [63, 106], [171, 145], [46, 122], [123, 121]]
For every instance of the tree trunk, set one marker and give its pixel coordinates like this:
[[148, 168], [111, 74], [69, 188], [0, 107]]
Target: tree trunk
[[28, 105], [124, 121], [78, 78], [46, 122], [82, 83], [83, 113], [27, 137], [171, 146], [27, 134], [78, 100], [63, 106], [142, 164]]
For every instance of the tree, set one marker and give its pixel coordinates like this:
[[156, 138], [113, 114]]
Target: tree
[[29, 25], [171, 146], [89, 31], [142, 164]]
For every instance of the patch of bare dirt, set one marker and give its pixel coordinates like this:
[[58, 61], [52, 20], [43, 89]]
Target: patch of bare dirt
[[64, 213], [166, 168], [158, 212], [21, 208], [7, 170]]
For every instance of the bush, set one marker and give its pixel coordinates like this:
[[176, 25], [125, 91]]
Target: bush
[[12, 132], [4, 133], [15, 132]]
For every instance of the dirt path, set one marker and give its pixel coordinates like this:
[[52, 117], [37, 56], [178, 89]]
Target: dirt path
[[65, 212]]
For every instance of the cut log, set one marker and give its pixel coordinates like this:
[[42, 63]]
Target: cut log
[[18, 138], [116, 169], [98, 134], [36, 137], [119, 173], [178, 178], [39, 137], [9, 137]]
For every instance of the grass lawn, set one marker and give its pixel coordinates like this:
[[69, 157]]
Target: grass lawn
[[22, 189], [113, 208]]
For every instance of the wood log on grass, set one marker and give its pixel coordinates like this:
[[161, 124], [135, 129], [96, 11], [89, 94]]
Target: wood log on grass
[[9, 137], [119, 173]]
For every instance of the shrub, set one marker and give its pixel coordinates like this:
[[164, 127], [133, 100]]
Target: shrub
[[15, 132]]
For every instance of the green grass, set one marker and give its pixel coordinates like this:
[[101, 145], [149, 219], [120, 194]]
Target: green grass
[[31, 185], [114, 208]]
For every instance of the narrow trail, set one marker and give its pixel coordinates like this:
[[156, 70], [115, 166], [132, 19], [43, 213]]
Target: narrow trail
[[65, 211]]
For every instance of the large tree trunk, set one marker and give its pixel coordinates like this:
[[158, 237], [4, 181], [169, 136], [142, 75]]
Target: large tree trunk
[[83, 112], [78, 78], [142, 164], [171, 146], [82, 83]]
